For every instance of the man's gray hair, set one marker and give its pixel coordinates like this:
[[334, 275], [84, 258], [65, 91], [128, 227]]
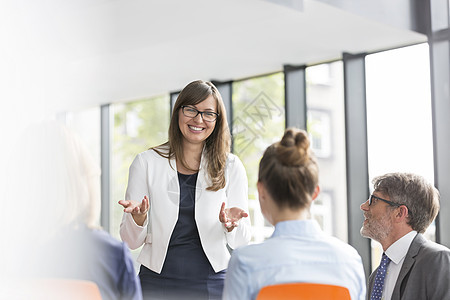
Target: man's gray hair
[[420, 197]]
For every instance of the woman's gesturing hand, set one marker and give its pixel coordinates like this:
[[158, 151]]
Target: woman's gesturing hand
[[137, 209], [230, 216]]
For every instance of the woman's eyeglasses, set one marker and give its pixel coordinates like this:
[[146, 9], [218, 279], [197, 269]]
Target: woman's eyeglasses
[[191, 112]]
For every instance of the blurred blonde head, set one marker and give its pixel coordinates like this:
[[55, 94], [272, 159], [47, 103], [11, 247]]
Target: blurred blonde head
[[58, 177]]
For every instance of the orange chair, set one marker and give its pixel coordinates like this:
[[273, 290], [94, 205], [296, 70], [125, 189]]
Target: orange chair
[[67, 289], [303, 291]]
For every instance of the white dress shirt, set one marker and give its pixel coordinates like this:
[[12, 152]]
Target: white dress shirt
[[397, 253]]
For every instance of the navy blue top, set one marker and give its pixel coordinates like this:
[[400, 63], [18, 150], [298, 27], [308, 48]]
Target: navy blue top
[[186, 269], [93, 255]]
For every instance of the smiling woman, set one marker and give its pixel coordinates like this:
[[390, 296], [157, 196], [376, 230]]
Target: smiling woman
[[196, 126], [194, 201]]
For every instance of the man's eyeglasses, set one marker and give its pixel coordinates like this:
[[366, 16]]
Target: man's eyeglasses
[[387, 201], [191, 112]]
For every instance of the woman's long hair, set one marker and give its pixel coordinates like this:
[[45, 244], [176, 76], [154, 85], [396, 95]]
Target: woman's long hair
[[217, 145]]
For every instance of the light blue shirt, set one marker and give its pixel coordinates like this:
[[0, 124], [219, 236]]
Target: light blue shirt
[[298, 251]]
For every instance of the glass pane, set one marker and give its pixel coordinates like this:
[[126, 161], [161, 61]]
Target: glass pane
[[326, 128], [439, 14], [399, 124], [258, 121], [137, 126]]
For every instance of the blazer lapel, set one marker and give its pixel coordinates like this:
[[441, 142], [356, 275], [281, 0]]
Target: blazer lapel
[[371, 282], [201, 178], [408, 263], [173, 188]]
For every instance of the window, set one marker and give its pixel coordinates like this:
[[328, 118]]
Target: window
[[321, 210], [137, 126], [258, 121], [326, 128], [399, 116], [319, 128]]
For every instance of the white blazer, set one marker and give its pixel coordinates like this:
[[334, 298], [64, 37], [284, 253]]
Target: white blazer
[[151, 175]]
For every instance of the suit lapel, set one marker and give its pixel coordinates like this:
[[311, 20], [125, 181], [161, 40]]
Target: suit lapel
[[408, 263], [371, 282]]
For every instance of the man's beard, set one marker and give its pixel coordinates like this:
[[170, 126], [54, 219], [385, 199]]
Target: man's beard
[[377, 229]]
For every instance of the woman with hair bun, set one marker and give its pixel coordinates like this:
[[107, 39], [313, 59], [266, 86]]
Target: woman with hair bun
[[298, 251]]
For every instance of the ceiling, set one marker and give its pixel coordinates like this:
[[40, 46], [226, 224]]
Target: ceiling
[[69, 55]]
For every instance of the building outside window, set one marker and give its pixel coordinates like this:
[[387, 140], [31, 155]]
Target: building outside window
[[258, 121], [326, 128]]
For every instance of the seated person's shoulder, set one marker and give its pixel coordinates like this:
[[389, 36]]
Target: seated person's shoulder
[[250, 254], [339, 248], [105, 240]]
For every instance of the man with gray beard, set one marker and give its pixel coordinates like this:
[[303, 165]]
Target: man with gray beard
[[396, 215]]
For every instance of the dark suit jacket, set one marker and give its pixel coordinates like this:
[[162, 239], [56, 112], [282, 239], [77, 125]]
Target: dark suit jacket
[[425, 273]]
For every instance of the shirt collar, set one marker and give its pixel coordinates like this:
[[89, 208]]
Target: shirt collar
[[297, 227], [397, 251]]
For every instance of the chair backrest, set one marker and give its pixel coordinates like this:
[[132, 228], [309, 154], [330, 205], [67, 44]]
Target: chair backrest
[[67, 289], [303, 291]]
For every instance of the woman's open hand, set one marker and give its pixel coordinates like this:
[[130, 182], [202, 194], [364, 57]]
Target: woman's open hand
[[137, 209], [230, 217]]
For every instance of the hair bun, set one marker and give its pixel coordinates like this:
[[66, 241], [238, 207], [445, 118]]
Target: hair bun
[[293, 149]]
